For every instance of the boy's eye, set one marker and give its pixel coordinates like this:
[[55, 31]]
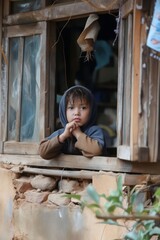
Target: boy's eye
[[70, 107], [84, 107]]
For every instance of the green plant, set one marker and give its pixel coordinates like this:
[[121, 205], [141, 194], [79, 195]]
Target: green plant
[[144, 218]]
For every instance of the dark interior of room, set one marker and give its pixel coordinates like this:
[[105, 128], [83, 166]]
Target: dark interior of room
[[99, 73]]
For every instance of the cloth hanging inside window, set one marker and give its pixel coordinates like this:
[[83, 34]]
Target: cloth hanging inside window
[[88, 36]]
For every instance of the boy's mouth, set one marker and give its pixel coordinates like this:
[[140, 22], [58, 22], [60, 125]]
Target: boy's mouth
[[77, 119]]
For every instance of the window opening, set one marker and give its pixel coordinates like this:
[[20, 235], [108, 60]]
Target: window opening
[[99, 74]]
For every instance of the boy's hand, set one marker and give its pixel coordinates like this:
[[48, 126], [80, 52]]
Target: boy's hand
[[69, 129], [76, 132]]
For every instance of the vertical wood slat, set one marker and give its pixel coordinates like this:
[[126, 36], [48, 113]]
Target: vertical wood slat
[[127, 81], [153, 100], [120, 83], [124, 74], [43, 83], [157, 115], [1, 142], [135, 83], [52, 79], [144, 86], [19, 83], [5, 88], [153, 109], [127, 8], [6, 7]]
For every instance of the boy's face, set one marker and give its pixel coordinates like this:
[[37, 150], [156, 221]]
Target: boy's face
[[78, 110]]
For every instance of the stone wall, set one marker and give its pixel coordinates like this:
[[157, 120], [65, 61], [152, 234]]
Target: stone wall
[[34, 207]]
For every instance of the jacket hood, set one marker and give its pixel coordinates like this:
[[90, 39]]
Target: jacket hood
[[93, 112]]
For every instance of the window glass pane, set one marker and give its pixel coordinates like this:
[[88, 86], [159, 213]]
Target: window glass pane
[[30, 90], [13, 88], [25, 6]]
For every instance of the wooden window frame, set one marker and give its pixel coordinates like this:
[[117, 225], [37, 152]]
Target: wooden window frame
[[15, 147], [137, 148]]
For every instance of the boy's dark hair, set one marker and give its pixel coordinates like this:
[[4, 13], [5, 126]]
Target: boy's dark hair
[[79, 93]]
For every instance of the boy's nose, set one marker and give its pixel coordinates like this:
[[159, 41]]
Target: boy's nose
[[76, 111]]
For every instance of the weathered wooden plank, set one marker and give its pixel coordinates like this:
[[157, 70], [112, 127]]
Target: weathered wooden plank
[[6, 7], [5, 86], [157, 120], [124, 152], [19, 92], [1, 146], [25, 30], [51, 79], [20, 147], [135, 83], [44, 90], [57, 12], [0, 76], [153, 113], [80, 162], [158, 116], [127, 8], [120, 82], [144, 86], [127, 179], [127, 80], [81, 174]]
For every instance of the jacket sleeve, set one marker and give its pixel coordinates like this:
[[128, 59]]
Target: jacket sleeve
[[88, 146], [50, 148]]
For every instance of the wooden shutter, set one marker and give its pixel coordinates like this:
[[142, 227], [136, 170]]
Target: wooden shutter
[[138, 89]]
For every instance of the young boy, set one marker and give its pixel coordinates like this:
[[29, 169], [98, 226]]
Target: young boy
[[79, 135]]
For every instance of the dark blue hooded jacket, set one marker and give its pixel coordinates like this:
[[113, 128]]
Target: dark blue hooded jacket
[[90, 128]]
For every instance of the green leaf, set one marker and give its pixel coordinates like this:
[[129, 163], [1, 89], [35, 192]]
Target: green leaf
[[133, 197], [103, 196], [119, 183], [75, 196], [131, 236], [157, 193], [93, 194], [129, 209], [148, 223], [93, 206], [111, 222], [109, 206], [155, 231], [114, 194]]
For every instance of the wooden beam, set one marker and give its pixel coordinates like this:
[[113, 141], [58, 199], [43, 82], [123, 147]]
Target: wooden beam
[[20, 147], [82, 174], [57, 12], [81, 162], [128, 179], [127, 8], [135, 98]]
